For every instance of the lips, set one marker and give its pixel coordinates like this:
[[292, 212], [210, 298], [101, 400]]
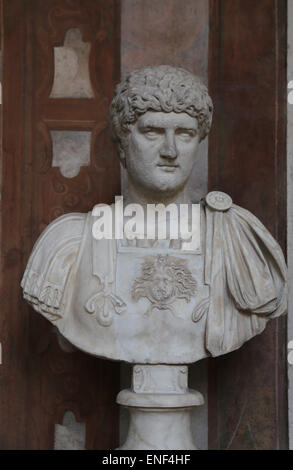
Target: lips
[[168, 167]]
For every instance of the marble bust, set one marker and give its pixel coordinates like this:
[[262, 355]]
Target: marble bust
[[151, 302]]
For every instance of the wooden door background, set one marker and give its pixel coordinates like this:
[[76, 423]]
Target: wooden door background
[[247, 153], [39, 382], [247, 159]]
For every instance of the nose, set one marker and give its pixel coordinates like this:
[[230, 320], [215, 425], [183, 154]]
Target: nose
[[169, 149]]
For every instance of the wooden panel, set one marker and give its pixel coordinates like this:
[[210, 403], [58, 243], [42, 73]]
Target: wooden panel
[[165, 32], [38, 381], [247, 154]]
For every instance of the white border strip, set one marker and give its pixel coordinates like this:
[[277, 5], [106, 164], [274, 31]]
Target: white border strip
[[290, 216]]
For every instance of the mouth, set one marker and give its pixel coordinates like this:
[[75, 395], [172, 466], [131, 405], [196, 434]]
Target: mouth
[[168, 168]]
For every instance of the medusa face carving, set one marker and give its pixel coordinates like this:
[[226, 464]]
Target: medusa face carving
[[164, 278]]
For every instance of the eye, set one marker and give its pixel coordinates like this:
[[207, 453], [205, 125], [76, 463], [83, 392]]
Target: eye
[[186, 134], [152, 132]]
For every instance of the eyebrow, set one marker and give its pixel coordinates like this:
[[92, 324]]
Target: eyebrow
[[151, 124], [183, 128]]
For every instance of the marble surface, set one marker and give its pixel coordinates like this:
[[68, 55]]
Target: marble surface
[[160, 406], [88, 289]]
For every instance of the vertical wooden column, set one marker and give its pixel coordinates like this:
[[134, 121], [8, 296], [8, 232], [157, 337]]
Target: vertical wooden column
[[247, 159], [39, 382]]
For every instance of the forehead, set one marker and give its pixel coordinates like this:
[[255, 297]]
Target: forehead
[[167, 120]]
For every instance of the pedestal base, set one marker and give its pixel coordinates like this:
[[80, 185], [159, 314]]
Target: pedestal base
[[159, 421]]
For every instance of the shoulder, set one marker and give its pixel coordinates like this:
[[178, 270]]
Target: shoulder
[[242, 238], [52, 256], [64, 231], [66, 226], [246, 271], [220, 202]]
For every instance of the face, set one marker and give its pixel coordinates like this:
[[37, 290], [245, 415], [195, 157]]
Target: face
[[161, 151]]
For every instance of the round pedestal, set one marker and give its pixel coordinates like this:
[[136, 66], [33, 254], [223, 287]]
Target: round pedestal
[[159, 420]]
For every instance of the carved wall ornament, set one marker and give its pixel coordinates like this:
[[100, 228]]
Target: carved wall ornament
[[71, 150], [72, 90], [164, 279], [71, 68]]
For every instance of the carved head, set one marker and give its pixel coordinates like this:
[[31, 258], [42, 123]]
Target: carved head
[[158, 117]]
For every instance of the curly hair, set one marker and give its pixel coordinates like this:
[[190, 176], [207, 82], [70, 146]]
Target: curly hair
[[162, 88]]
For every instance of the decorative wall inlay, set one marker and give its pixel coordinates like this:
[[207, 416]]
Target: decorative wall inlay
[[70, 435], [71, 68], [71, 150], [164, 279], [72, 103]]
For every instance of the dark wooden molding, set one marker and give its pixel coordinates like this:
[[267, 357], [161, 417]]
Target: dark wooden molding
[[247, 159], [38, 381]]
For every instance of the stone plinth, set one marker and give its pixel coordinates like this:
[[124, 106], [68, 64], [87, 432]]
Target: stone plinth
[[160, 405]]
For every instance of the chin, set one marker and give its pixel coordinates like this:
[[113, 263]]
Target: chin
[[169, 185], [167, 189]]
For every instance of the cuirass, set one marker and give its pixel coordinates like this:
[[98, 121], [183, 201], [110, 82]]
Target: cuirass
[[154, 308]]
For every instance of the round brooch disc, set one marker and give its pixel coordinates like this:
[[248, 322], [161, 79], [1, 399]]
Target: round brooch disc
[[219, 201]]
